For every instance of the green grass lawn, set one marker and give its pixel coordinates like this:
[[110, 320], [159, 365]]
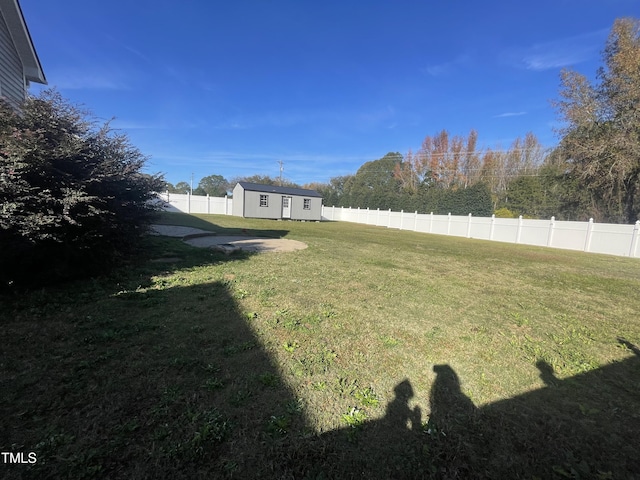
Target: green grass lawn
[[373, 353]]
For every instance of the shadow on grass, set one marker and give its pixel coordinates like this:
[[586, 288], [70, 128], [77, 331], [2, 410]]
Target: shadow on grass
[[186, 220], [585, 426], [124, 381]]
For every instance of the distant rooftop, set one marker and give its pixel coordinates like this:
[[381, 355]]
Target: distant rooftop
[[257, 187]]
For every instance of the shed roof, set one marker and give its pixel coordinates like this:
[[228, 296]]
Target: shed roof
[[257, 187], [14, 18]]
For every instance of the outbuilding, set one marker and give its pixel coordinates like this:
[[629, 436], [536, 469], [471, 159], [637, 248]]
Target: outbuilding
[[253, 200]]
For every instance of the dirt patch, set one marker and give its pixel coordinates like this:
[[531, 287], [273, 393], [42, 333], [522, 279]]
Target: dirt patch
[[248, 244], [200, 238]]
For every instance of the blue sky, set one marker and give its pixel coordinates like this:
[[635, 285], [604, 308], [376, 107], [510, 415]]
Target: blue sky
[[231, 88]]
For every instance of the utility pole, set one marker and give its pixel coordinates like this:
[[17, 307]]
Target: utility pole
[[191, 183], [281, 170]]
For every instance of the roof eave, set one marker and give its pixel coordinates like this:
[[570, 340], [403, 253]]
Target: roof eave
[[22, 40], [258, 187]]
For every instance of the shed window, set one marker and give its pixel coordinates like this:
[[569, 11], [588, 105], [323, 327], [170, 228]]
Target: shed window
[[307, 204], [264, 200]]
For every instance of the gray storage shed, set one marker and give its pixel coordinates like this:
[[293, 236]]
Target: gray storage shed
[[253, 200]]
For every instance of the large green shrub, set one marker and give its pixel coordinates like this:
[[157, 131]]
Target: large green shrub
[[73, 198], [475, 200]]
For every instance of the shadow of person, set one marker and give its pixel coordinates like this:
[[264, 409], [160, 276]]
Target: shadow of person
[[447, 402], [398, 415], [629, 345], [453, 426], [546, 373], [388, 447]]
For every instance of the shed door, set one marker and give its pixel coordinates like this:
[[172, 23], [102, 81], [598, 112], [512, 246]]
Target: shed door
[[286, 207]]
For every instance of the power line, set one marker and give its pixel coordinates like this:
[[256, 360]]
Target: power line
[[481, 153]]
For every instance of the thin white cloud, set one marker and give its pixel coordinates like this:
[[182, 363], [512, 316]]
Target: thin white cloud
[[559, 53], [82, 79], [299, 167], [231, 125], [437, 70], [383, 116], [289, 118], [252, 161], [445, 68], [137, 53], [268, 120], [509, 114], [137, 125]]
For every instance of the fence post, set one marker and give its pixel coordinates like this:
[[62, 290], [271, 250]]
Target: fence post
[[587, 241], [188, 203], [493, 223], [389, 220], [519, 231], [378, 218], [448, 223], [634, 239], [415, 223], [551, 227], [367, 217], [401, 218], [469, 227], [208, 204], [431, 222]]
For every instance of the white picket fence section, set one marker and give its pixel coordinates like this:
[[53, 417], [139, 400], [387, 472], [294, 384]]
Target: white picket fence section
[[179, 202], [612, 239]]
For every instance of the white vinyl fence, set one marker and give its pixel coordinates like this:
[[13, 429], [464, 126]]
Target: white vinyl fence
[[588, 236], [179, 202]]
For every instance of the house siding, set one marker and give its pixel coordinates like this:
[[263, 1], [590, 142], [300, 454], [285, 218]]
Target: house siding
[[12, 82], [299, 213], [253, 209]]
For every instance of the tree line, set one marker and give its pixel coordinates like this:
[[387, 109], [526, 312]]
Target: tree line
[[448, 174], [593, 172], [218, 186]]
